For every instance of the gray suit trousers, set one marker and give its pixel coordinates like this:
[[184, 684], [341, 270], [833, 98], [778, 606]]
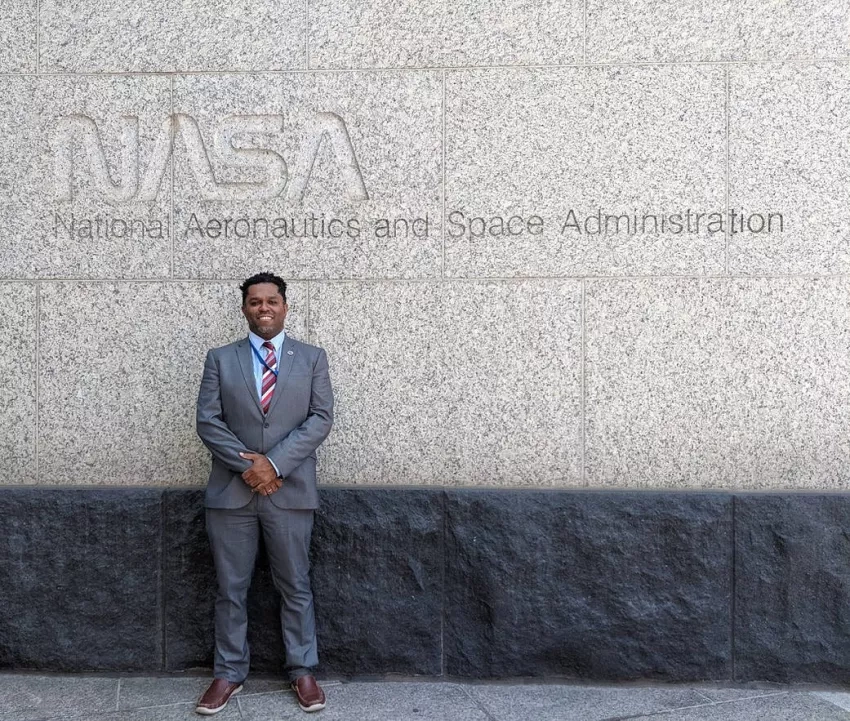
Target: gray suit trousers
[[234, 535]]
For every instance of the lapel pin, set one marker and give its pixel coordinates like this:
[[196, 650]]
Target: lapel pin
[[289, 352]]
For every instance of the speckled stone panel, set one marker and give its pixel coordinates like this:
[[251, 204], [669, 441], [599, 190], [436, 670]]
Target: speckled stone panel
[[461, 382], [72, 202], [17, 401], [588, 585], [734, 383], [689, 30], [789, 153], [340, 153], [18, 29], [792, 620], [170, 35], [572, 144], [79, 579], [382, 33], [120, 368]]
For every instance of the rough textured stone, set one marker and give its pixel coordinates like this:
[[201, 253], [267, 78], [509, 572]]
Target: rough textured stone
[[791, 595], [571, 584], [188, 581], [18, 344], [455, 383], [718, 383], [688, 30], [378, 580], [588, 585], [18, 29], [79, 579], [342, 151], [382, 33], [167, 36], [788, 154], [574, 142], [122, 370], [61, 214]]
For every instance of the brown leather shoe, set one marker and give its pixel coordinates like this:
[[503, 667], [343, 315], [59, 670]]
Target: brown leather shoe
[[215, 698], [309, 693]]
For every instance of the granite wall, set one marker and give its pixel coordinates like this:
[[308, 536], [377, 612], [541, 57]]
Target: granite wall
[[574, 262], [435, 182]]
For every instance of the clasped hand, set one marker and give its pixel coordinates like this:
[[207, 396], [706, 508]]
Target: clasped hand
[[261, 476]]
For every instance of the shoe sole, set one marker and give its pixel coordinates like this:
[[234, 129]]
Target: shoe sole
[[204, 711], [311, 707]]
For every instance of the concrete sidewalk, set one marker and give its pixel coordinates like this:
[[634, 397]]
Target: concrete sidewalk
[[31, 697]]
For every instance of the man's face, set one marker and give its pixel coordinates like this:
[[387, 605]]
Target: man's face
[[264, 310]]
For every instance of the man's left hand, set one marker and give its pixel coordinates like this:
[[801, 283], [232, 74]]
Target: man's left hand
[[267, 490], [261, 472]]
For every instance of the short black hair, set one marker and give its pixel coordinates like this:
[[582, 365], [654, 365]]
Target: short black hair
[[263, 278]]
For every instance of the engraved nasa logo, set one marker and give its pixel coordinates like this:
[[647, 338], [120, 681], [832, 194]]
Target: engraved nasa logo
[[140, 182]]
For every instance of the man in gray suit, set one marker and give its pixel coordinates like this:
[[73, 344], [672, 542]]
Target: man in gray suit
[[264, 407]]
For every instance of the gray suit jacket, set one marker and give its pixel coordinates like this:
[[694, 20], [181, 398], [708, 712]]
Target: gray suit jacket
[[230, 421]]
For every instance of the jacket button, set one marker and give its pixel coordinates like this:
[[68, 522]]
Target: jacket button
[[265, 425]]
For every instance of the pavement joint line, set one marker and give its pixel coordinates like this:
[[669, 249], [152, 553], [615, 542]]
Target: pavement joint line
[[700, 693], [817, 695], [183, 703], [468, 689], [146, 708], [664, 712], [477, 702], [118, 696], [85, 715], [746, 698], [755, 695]]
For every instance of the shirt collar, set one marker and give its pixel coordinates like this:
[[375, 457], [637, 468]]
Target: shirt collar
[[277, 341]]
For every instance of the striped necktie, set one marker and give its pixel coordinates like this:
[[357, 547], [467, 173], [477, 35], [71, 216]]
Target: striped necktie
[[268, 377]]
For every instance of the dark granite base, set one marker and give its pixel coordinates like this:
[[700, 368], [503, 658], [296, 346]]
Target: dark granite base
[[792, 588], [588, 585], [80, 579], [188, 580], [471, 583], [378, 581]]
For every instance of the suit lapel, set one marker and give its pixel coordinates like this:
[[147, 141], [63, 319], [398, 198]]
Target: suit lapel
[[284, 365], [246, 363]]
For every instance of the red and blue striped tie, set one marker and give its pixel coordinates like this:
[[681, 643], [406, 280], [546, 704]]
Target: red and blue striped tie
[[268, 377]]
